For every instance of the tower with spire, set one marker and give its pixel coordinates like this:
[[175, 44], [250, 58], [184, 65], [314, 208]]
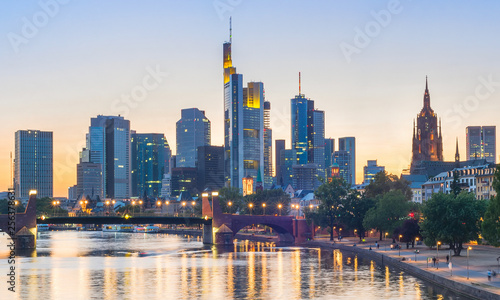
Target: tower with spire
[[427, 137]]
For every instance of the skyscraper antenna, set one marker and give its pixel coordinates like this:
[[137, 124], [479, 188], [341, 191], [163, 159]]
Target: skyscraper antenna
[[299, 85], [230, 31]]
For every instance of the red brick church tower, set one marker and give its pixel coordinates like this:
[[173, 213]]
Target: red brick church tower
[[427, 139]]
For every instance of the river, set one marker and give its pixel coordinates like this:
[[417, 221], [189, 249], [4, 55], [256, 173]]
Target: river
[[102, 265]]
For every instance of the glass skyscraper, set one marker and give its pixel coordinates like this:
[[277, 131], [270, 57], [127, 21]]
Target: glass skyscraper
[[33, 163], [348, 144], [243, 125], [192, 131], [268, 146], [150, 161], [481, 143], [109, 144]]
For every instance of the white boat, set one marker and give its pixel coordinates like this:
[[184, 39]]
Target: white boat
[[117, 228], [42, 227], [147, 229]]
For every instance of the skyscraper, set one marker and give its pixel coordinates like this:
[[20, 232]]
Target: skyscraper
[[210, 167], [348, 144], [243, 125], [329, 149], [342, 159], [33, 163], [288, 159], [308, 132], [427, 139], [108, 143], [193, 131], [150, 161], [268, 146], [481, 143], [279, 145]]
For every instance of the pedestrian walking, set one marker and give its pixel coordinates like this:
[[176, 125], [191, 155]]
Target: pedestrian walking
[[489, 275], [447, 258], [434, 261]]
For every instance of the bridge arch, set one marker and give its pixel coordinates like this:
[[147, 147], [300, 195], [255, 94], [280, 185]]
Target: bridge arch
[[284, 234]]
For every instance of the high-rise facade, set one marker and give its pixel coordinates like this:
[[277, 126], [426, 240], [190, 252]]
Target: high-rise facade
[[89, 181], [268, 147], [370, 170], [150, 161], [278, 146], [481, 143], [427, 139], [289, 159], [193, 131], [210, 167], [308, 132], [33, 163], [108, 142], [348, 145], [243, 125], [329, 149], [343, 159]]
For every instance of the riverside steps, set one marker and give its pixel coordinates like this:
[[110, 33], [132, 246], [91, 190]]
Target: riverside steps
[[481, 259]]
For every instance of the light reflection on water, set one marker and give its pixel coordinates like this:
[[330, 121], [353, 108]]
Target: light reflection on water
[[97, 265]]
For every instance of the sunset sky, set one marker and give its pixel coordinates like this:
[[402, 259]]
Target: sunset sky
[[364, 63]]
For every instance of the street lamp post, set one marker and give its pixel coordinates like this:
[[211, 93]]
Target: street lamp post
[[158, 205], [468, 248], [250, 206], [140, 206], [133, 207], [167, 203], [437, 257], [183, 208], [264, 207], [229, 204], [280, 206], [193, 203], [386, 235], [400, 236]]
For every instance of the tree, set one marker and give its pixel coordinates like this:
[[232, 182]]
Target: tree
[[455, 184], [388, 213], [452, 220], [384, 182], [491, 223], [45, 206], [332, 196], [409, 230], [355, 210], [230, 195], [4, 207]]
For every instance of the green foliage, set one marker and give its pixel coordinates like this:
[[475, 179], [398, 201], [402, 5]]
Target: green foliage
[[384, 182], [409, 230], [45, 206], [354, 212], [333, 201], [491, 223], [389, 212], [4, 207], [271, 198], [452, 220], [233, 195], [455, 185]]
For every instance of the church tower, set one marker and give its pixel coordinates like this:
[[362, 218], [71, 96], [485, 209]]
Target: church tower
[[427, 139]]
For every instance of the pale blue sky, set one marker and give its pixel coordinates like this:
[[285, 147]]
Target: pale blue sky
[[89, 53]]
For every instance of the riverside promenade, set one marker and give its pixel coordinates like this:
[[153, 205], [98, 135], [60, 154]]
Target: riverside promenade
[[481, 259]]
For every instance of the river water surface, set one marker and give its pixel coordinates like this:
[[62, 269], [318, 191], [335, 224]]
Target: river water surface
[[104, 265]]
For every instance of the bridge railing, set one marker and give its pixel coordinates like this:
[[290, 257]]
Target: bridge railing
[[116, 214]]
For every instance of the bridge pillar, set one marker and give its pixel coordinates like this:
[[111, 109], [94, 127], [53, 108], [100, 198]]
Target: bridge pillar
[[208, 234], [23, 228]]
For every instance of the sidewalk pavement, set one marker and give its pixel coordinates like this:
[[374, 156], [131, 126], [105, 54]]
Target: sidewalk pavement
[[481, 259]]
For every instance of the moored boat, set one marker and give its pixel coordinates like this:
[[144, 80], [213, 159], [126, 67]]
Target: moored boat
[[117, 228]]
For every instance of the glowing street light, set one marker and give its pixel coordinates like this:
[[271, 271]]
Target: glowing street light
[[400, 236], [264, 207], [437, 258], [229, 205], [279, 207], [250, 206]]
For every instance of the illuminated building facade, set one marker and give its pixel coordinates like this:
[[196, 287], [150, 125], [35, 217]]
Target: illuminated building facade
[[268, 146], [427, 139], [192, 131], [370, 170], [247, 184], [33, 163], [481, 143], [108, 142], [243, 125], [150, 161], [347, 145]]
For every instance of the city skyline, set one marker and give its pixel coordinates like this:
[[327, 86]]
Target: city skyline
[[376, 107]]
